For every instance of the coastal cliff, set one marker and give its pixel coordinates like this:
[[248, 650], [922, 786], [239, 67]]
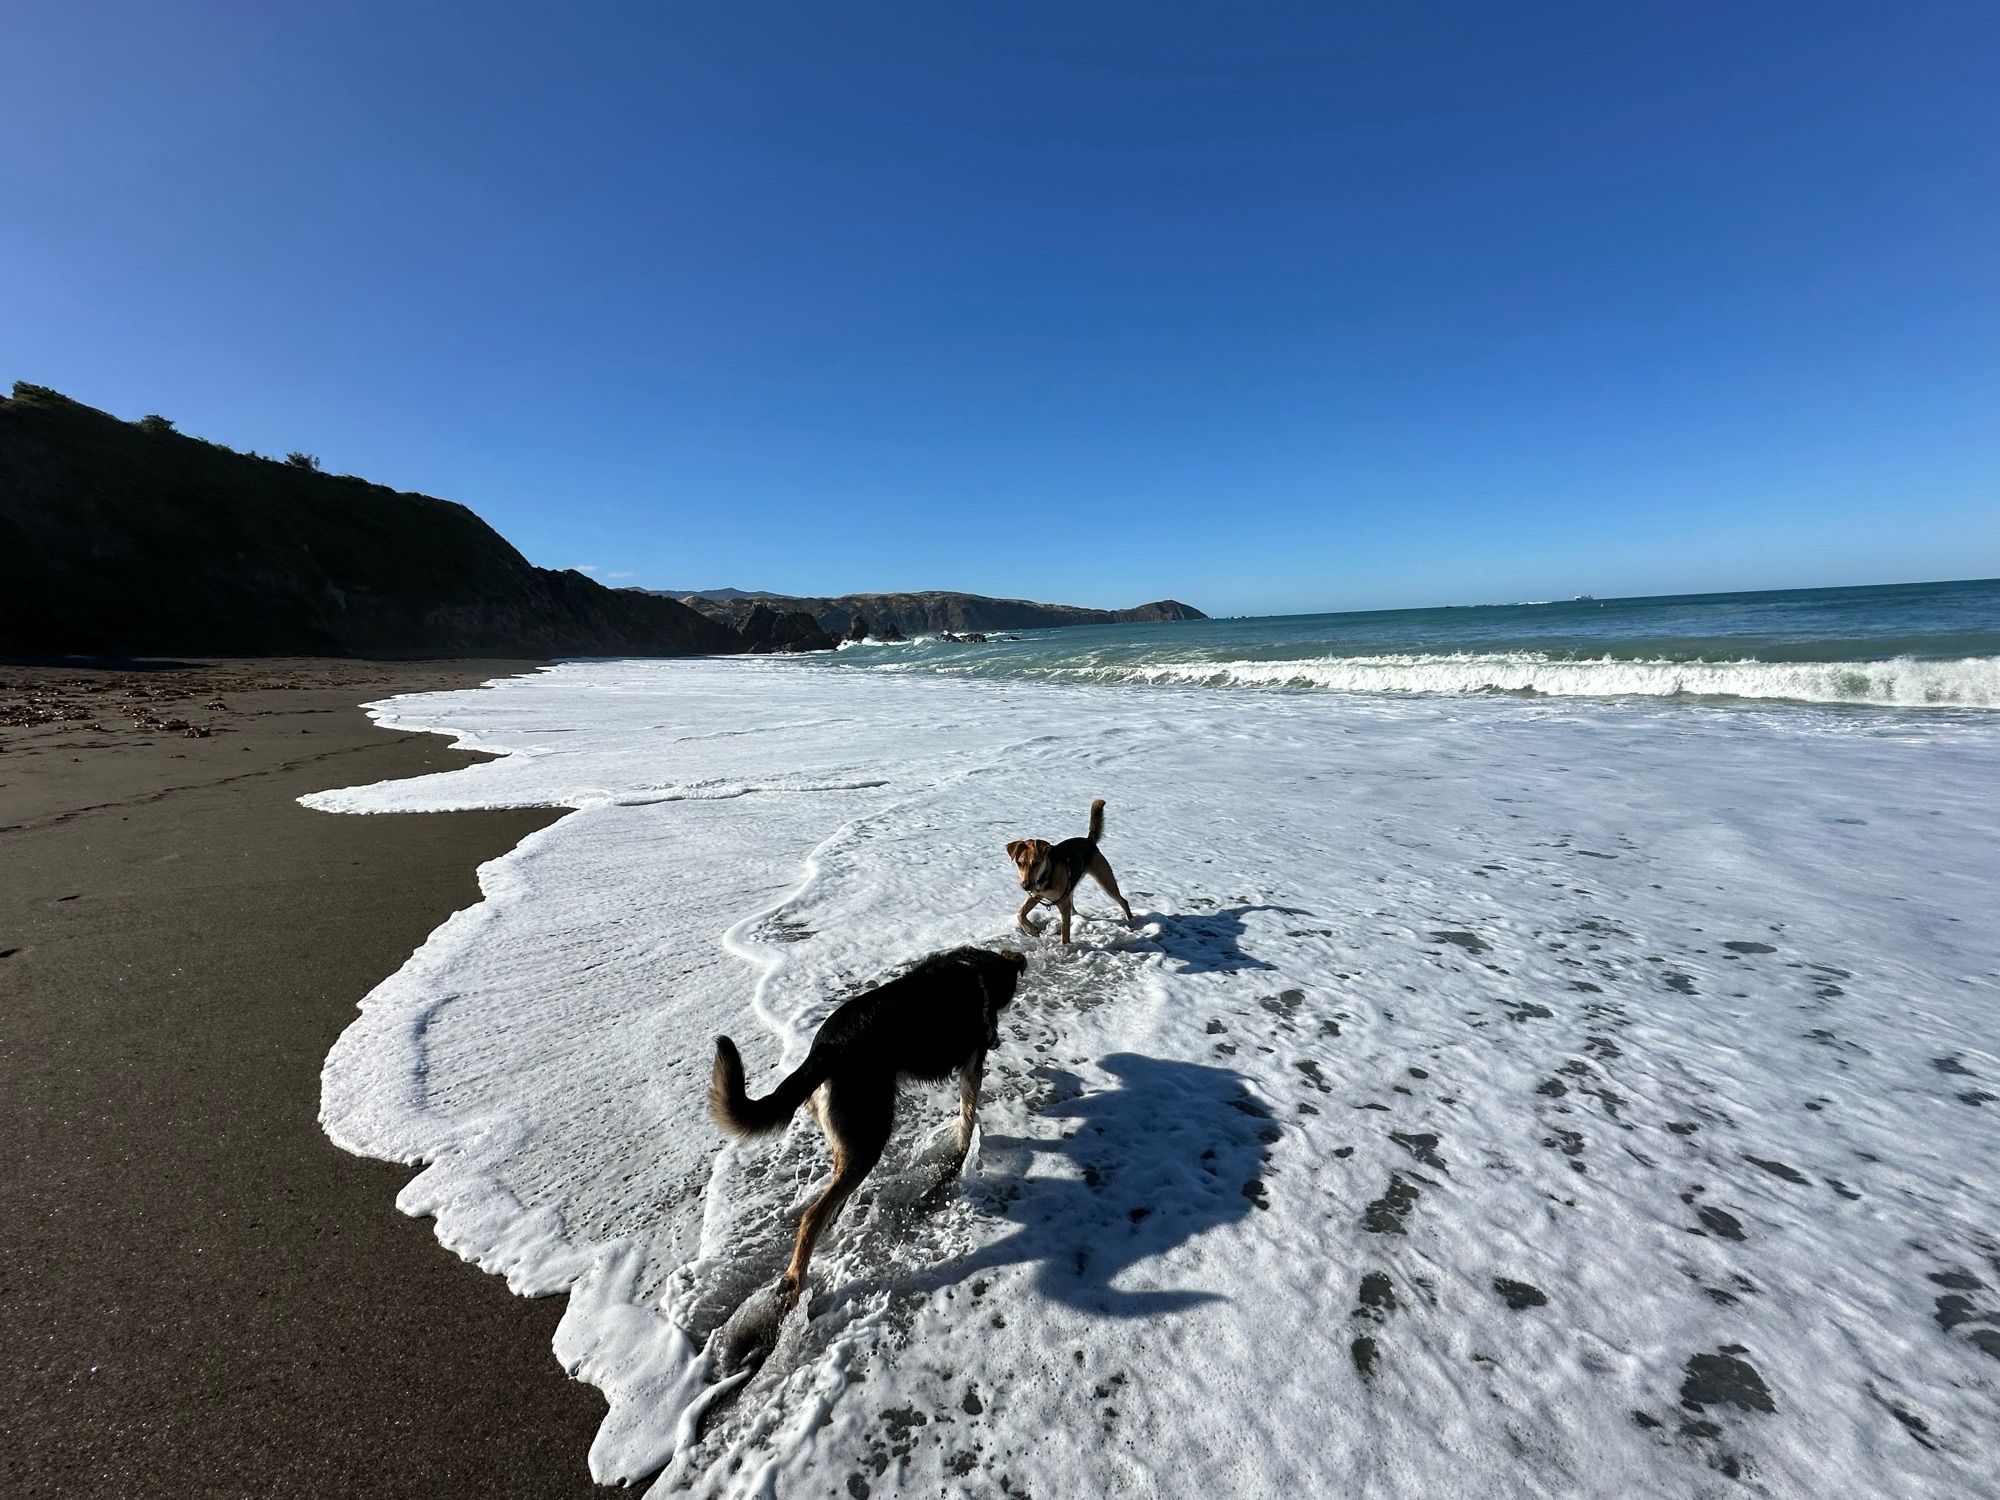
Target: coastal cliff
[[126, 538]]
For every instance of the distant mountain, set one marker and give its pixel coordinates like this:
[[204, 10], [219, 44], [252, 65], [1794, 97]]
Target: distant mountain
[[124, 538], [933, 611], [717, 596]]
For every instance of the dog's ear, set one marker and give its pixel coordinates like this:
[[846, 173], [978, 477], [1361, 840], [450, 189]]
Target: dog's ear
[[1018, 960], [1014, 848]]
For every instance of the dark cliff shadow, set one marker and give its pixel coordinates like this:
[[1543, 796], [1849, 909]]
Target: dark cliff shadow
[[1211, 942], [1175, 1150]]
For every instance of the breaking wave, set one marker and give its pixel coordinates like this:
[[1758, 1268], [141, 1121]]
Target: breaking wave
[[1973, 682]]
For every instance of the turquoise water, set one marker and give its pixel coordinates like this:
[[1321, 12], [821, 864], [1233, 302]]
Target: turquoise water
[[1916, 645]]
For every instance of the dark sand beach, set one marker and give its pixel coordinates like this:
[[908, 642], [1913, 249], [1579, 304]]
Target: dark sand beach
[[202, 1295]]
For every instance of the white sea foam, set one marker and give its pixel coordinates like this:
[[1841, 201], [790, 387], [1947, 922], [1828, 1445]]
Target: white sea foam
[[1971, 682], [874, 643], [1681, 1018]]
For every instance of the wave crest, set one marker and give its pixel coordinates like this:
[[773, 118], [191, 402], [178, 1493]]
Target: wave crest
[[1973, 682]]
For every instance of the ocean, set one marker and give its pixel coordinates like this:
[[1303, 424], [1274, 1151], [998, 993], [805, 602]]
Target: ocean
[[1902, 644], [1528, 1074]]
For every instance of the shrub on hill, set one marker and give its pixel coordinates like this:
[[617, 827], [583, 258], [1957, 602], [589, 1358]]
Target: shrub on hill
[[41, 395]]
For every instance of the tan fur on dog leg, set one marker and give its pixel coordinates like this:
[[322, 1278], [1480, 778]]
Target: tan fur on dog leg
[[1100, 871]]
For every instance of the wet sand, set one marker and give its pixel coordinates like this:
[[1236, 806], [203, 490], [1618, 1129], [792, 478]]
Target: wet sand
[[200, 1294]]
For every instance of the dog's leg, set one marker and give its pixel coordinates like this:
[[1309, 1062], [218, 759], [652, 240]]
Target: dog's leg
[[969, 1078], [857, 1131], [1100, 871], [1066, 908], [847, 1175], [1021, 916]]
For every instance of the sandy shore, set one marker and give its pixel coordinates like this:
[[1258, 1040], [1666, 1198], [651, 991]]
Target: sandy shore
[[201, 1295]]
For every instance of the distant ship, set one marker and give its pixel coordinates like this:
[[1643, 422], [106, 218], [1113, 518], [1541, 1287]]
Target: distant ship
[[1585, 599]]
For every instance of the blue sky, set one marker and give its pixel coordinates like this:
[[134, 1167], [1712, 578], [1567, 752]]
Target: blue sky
[[1269, 308]]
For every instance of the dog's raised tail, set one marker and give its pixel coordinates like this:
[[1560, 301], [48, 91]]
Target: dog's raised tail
[[1096, 820], [736, 1112]]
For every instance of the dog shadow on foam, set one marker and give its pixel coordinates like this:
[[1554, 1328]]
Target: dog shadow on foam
[[1175, 1150], [1211, 942]]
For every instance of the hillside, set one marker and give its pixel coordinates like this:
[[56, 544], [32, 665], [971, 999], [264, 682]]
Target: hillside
[[931, 611], [118, 538], [718, 595]]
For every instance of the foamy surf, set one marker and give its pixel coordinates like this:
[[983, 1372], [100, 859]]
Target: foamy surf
[[1495, 1098], [1973, 682]]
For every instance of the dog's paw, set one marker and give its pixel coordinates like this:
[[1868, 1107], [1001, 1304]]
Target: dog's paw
[[746, 1340], [939, 1143], [948, 1180]]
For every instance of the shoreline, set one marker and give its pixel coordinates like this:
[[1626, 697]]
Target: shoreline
[[204, 1293]]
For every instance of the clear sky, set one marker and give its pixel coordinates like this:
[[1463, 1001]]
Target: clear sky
[[1266, 307]]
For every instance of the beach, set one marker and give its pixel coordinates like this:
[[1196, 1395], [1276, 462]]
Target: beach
[[202, 1295], [1495, 1093], [1000, 753]]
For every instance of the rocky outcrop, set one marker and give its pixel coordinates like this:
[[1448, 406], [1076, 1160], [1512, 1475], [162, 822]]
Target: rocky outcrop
[[120, 538], [764, 630], [1160, 610], [938, 612], [858, 630]]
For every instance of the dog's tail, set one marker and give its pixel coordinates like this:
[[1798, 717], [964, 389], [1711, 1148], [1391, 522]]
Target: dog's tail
[[736, 1112], [1096, 821]]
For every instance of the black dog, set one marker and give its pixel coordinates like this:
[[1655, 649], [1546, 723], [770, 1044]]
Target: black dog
[[938, 1019]]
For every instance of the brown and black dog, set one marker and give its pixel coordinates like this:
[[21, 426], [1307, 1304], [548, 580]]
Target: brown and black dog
[[1049, 872], [940, 1018]]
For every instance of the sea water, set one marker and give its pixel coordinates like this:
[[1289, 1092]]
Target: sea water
[[1498, 1093], [1906, 644]]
